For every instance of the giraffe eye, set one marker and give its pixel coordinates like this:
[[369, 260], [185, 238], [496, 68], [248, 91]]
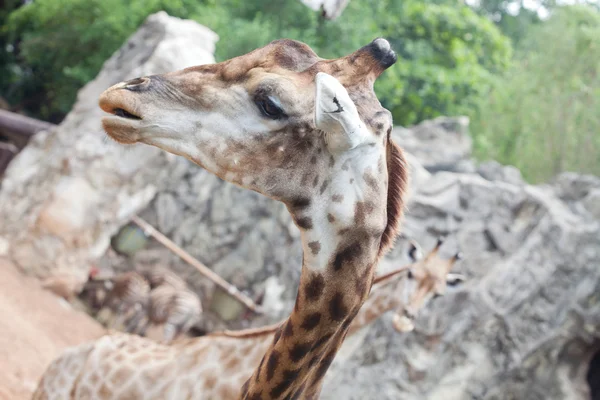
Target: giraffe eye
[[268, 108]]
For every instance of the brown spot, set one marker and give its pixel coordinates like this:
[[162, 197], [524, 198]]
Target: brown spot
[[289, 377], [371, 181], [253, 396], [311, 321], [337, 198], [258, 372], [299, 351], [362, 210], [277, 334], [289, 329], [347, 255], [299, 203], [304, 223], [345, 165], [232, 362], [315, 247], [272, 364], [314, 288], [313, 160], [337, 309], [324, 366], [210, 381], [299, 392], [343, 231], [324, 186], [246, 384], [122, 376], [316, 181], [330, 218], [105, 391]]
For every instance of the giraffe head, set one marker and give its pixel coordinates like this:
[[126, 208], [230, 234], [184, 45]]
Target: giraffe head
[[279, 120], [427, 278]]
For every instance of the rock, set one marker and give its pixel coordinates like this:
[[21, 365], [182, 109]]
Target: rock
[[527, 322], [442, 144], [592, 202], [70, 190], [570, 186], [494, 171]]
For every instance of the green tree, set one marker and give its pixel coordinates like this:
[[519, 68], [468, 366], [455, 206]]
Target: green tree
[[447, 53], [542, 116]]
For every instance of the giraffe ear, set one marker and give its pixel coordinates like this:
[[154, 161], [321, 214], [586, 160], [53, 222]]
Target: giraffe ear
[[336, 115]]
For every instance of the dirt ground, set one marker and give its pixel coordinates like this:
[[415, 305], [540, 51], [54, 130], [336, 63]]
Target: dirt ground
[[35, 326]]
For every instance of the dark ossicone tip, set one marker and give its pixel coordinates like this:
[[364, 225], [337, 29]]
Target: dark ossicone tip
[[382, 52]]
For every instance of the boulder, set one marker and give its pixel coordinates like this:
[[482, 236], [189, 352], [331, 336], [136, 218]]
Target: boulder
[[441, 144], [70, 189]]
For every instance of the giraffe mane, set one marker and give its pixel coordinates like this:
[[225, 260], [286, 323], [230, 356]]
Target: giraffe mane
[[397, 187]]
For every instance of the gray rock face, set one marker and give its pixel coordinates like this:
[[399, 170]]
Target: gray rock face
[[527, 322], [442, 144], [70, 189]]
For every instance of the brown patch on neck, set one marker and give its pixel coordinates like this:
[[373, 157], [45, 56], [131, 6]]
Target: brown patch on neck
[[397, 186]]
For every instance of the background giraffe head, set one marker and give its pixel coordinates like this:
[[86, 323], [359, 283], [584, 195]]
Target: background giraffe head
[[427, 278]]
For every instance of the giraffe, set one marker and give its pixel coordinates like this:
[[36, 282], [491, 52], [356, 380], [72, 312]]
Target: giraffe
[[427, 278], [213, 366], [308, 132]]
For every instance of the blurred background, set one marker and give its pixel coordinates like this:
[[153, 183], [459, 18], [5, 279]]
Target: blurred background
[[496, 102]]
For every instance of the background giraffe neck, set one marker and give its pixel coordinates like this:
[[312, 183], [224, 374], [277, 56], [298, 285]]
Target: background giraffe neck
[[384, 296]]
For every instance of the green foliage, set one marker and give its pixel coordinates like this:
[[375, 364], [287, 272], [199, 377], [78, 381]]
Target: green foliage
[[62, 45], [542, 116], [447, 56], [447, 52]]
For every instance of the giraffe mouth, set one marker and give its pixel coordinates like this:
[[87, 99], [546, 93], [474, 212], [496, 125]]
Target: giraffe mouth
[[122, 113]]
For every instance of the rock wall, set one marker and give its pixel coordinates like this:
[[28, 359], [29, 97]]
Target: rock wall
[[70, 189], [527, 323]]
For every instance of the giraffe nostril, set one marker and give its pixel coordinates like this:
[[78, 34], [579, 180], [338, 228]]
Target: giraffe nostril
[[136, 84]]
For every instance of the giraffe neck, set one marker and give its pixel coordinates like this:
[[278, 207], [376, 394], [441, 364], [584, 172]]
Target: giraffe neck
[[341, 228]]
